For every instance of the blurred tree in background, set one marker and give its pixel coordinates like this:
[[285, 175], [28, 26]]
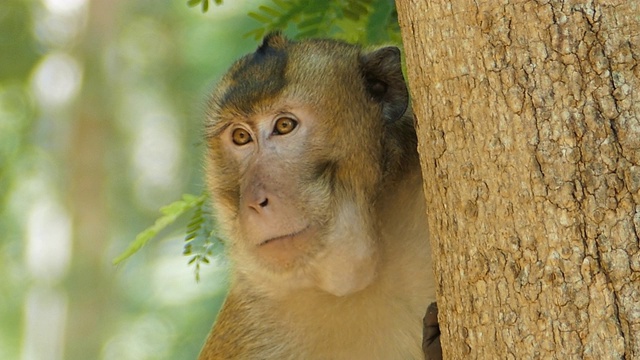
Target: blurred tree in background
[[101, 106]]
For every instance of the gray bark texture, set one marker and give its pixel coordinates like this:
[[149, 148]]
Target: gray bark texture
[[529, 126]]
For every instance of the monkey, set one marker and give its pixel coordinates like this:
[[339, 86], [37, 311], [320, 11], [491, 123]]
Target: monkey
[[431, 334], [314, 177]]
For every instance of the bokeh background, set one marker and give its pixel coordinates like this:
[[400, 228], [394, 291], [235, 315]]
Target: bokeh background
[[101, 106], [101, 111]]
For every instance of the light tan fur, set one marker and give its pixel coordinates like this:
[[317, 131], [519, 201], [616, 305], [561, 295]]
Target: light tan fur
[[326, 224]]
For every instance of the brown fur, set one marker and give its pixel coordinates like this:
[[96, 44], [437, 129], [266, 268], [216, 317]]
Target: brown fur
[[352, 277]]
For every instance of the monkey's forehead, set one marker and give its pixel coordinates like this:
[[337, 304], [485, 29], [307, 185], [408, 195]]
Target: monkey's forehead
[[308, 68]]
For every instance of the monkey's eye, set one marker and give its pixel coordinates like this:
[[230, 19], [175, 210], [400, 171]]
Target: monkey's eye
[[240, 136], [284, 126]]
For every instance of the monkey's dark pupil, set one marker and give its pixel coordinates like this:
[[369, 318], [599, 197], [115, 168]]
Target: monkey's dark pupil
[[241, 137], [284, 126]]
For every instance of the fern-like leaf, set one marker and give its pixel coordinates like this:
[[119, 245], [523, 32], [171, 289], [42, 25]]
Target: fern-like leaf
[[201, 238], [276, 16], [170, 213], [311, 18], [203, 3]]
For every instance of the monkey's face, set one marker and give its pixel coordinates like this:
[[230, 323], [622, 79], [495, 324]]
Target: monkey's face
[[286, 216], [296, 161]]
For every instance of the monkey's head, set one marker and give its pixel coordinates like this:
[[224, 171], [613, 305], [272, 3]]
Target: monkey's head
[[302, 139]]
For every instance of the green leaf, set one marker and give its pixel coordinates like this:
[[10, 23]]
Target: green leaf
[[288, 12], [310, 22], [379, 21], [282, 4], [171, 212], [261, 18], [204, 3], [269, 11], [308, 33], [195, 223], [255, 33], [357, 8]]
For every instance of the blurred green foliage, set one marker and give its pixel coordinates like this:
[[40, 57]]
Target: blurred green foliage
[[101, 108], [329, 18]]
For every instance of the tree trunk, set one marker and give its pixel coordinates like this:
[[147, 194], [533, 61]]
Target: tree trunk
[[528, 118]]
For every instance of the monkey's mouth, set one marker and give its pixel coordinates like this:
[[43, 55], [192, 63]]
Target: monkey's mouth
[[283, 238]]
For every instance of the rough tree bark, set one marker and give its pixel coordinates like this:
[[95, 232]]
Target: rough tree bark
[[528, 117]]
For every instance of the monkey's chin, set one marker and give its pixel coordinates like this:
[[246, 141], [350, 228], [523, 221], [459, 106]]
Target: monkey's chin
[[282, 251]]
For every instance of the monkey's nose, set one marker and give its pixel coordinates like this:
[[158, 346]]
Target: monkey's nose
[[259, 206]]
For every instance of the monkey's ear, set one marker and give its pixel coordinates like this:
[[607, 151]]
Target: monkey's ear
[[382, 70]]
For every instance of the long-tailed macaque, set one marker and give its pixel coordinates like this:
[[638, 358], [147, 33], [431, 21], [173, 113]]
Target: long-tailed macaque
[[314, 176]]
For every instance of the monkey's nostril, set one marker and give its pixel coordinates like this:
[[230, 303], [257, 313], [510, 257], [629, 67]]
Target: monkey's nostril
[[264, 203]]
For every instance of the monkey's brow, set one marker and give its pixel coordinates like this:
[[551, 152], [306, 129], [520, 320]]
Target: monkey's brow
[[213, 131]]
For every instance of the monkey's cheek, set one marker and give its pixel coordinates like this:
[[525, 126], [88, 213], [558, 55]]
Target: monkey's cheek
[[343, 274]]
